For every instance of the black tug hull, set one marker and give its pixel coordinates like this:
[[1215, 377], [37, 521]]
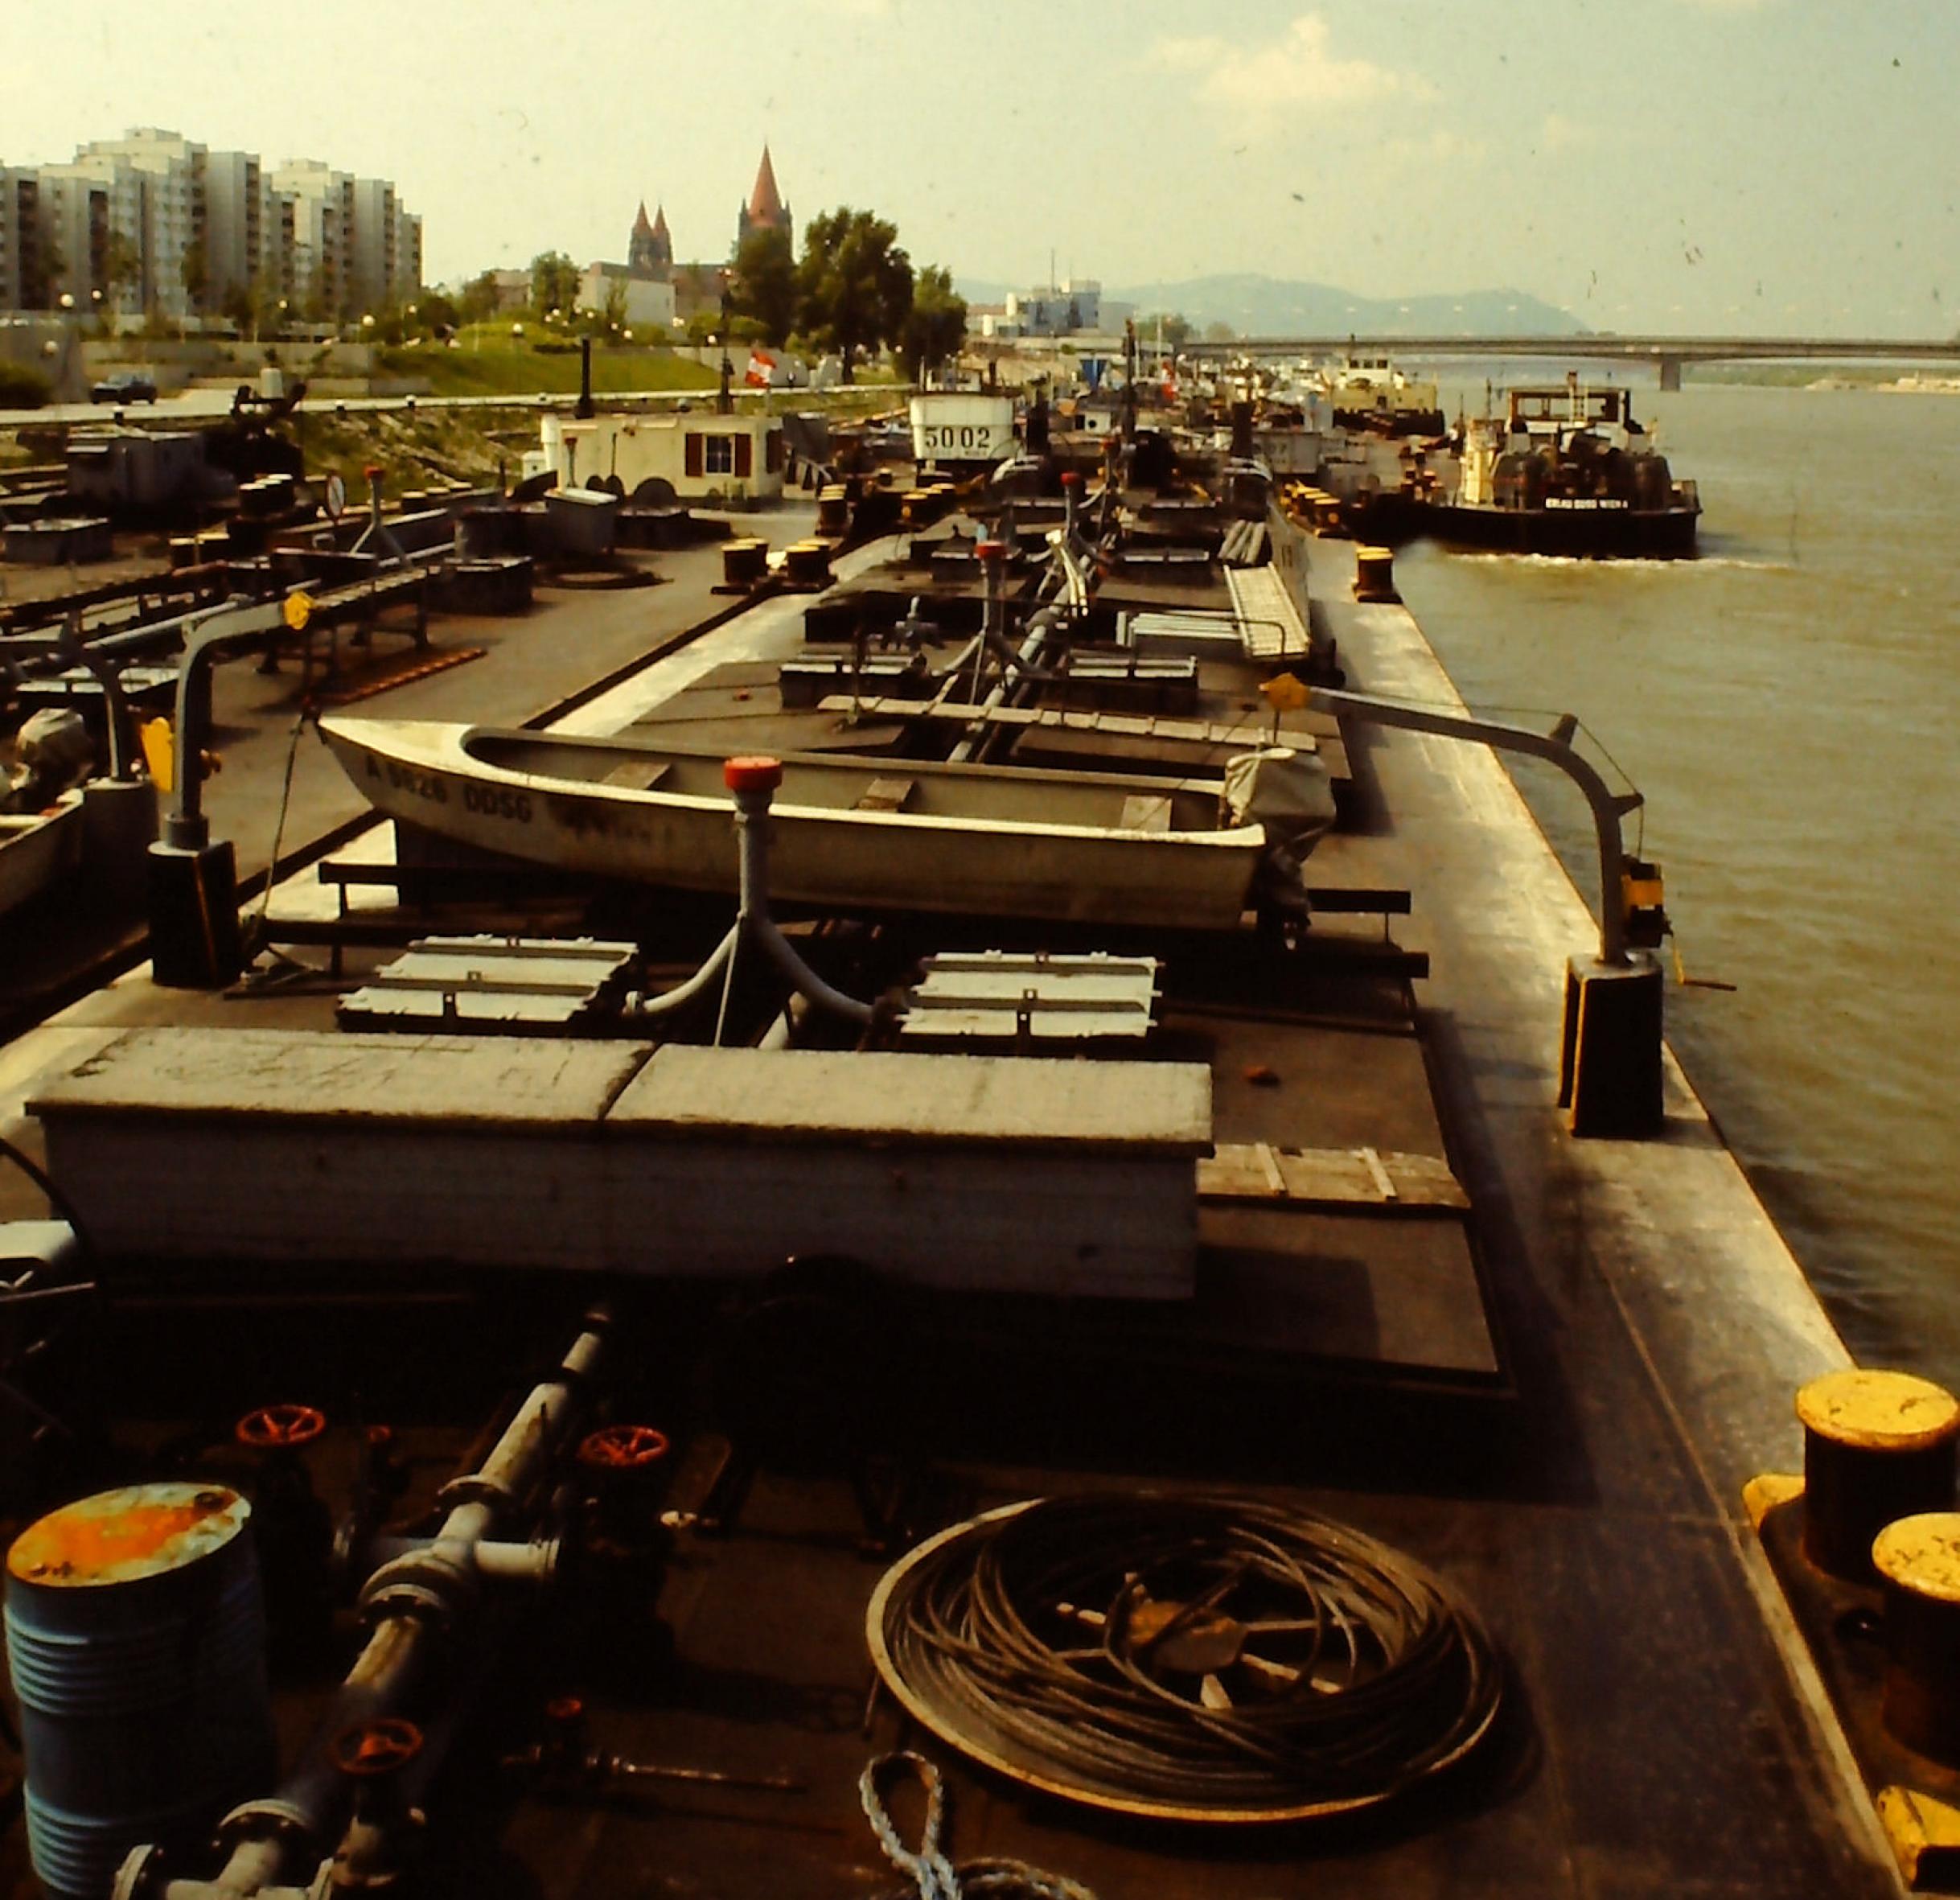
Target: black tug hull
[[1580, 533]]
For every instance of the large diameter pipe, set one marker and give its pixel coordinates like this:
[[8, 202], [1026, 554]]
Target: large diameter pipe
[[416, 1599], [1608, 806], [752, 834], [185, 828]]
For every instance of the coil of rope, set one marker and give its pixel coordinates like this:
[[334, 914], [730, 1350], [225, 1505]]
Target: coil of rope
[[1191, 1654]]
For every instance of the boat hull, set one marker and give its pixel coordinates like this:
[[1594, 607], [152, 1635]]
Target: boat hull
[[1579, 532], [36, 851], [838, 858]]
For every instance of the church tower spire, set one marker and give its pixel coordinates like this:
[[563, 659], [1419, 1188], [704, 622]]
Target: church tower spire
[[765, 210]]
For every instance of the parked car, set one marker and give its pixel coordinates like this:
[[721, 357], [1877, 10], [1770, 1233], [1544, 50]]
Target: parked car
[[125, 385]]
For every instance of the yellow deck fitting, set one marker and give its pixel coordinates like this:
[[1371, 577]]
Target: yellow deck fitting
[[1918, 1559], [1925, 1835], [1877, 1446], [1763, 1494]]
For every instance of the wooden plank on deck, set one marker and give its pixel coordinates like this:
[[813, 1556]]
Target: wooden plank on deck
[[1330, 1178]]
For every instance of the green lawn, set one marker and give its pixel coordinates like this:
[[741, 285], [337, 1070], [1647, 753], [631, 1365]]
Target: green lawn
[[491, 362]]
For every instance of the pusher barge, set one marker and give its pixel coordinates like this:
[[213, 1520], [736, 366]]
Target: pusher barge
[[1154, 1408]]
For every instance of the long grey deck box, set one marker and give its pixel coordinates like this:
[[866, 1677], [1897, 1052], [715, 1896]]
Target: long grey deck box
[[979, 1173], [275, 1146], [1008, 1173]]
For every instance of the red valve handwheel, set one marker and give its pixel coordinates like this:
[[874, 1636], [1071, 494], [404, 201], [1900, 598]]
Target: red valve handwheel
[[376, 1747], [278, 1428], [623, 1448]]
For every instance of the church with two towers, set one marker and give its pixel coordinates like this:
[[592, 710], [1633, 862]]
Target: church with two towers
[[650, 290]]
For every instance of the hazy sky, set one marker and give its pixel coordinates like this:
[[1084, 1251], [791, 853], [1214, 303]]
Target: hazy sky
[[1693, 165]]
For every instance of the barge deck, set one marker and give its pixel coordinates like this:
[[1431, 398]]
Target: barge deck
[[1554, 1400]]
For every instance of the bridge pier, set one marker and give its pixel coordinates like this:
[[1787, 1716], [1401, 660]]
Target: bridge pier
[[1670, 372]]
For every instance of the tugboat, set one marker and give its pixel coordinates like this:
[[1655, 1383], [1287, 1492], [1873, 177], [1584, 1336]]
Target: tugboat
[[1568, 472], [1369, 394]]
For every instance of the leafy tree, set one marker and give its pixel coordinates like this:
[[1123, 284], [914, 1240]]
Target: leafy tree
[[479, 298], [437, 312], [193, 272], [763, 284], [704, 325], [1175, 330], [22, 387], [122, 266], [53, 266], [1213, 333], [264, 293], [554, 281], [936, 325], [855, 284]]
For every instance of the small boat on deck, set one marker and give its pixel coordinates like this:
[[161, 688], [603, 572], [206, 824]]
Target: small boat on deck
[[847, 832], [38, 847]]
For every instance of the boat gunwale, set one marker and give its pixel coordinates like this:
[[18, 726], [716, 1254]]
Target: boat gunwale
[[457, 764]]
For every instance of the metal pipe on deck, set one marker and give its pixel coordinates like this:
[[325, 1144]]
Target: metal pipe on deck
[[417, 1600], [1610, 1071], [1608, 806], [1020, 669], [195, 941], [754, 782]]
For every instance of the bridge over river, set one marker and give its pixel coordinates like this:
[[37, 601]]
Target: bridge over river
[[1666, 353]]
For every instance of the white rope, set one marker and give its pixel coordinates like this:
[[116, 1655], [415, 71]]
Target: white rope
[[933, 1877]]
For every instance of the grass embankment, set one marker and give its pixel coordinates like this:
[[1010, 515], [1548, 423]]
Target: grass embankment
[[433, 445], [426, 449], [491, 362]]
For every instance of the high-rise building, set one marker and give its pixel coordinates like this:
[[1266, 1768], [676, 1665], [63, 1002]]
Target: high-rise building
[[239, 230], [154, 221], [322, 201], [407, 279], [23, 252], [156, 187], [76, 234]]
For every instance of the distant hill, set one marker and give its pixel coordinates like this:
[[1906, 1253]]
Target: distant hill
[[1256, 306]]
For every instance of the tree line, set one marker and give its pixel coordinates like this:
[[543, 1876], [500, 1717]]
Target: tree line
[[853, 289]]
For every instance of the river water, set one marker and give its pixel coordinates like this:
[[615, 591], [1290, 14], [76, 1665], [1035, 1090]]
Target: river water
[[1789, 703]]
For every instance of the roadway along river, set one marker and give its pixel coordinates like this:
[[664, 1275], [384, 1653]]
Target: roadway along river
[[1790, 705]]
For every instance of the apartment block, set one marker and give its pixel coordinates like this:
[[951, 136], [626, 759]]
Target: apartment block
[[155, 222]]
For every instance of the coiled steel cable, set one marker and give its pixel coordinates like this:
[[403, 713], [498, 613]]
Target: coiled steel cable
[[1384, 1672]]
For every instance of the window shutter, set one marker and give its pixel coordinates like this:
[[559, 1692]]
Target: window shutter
[[694, 454], [745, 455], [772, 461]]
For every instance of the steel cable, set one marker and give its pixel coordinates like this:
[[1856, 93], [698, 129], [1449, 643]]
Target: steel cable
[[1357, 1670]]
